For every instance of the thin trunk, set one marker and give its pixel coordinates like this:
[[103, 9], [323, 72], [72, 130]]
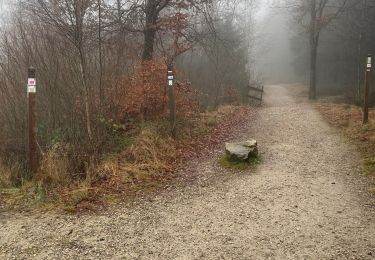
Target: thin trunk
[[83, 69], [359, 67], [101, 90], [119, 11], [86, 93], [313, 70], [313, 49]]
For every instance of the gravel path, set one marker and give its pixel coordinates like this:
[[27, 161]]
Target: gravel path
[[304, 201]]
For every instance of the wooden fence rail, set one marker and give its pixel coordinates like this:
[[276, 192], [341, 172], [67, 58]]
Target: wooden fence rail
[[256, 93]]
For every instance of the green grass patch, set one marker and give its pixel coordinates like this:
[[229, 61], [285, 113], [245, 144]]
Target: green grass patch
[[369, 166], [212, 121], [123, 143], [225, 162]]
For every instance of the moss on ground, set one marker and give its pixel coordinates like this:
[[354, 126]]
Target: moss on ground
[[225, 162]]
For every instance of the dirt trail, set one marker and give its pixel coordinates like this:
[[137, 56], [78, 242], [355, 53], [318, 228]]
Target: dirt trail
[[304, 201]]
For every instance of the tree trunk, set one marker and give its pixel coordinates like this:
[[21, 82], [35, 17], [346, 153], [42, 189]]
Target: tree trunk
[[79, 15], [360, 38], [150, 30], [314, 36], [101, 90], [149, 39], [313, 69], [86, 93], [359, 66]]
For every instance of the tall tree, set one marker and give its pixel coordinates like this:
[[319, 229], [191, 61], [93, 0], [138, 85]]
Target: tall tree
[[151, 16], [320, 14], [152, 12]]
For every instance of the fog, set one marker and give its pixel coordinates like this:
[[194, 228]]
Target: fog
[[274, 55]]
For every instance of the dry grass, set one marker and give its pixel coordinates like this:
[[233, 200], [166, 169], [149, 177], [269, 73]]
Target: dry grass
[[9, 174], [54, 167], [6, 174], [148, 157], [348, 118], [146, 162]]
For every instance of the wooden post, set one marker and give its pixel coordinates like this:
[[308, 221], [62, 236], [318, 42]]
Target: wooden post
[[367, 88], [261, 95], [172, 101], [32, 128]]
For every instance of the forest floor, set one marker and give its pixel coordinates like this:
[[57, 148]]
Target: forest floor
[[348, 118], [307, 199]]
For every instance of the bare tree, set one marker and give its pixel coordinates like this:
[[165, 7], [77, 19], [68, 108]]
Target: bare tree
[[320, 14], [71, 19]]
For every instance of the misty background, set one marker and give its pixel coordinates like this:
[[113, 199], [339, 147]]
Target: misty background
[[275, 56]]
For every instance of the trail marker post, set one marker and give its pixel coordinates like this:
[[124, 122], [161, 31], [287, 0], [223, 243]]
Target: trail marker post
[[367, 88], [171, 97], [32, 129]]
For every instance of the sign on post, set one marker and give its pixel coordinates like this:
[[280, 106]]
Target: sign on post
[[32, 128], [367, 88], [369, 62], [170, 77], [171, 97], [31, 84]]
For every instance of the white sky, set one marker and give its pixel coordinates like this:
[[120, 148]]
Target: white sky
[[276, 61], [263, 9]]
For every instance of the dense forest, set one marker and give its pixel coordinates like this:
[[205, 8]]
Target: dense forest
[[101, 69]]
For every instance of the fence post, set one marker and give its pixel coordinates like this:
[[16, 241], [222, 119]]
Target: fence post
[[172, 101], [367, 88], [261, 95], [32, 128]]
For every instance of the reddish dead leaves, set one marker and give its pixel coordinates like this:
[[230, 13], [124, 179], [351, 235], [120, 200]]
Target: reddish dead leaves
[[227, 126]]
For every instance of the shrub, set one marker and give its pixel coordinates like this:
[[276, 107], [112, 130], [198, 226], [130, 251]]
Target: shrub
[[144, 94], [149, 155], [10, 174], [54, 167]]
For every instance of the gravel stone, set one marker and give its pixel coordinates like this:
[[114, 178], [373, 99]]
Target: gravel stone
[[243, 215]]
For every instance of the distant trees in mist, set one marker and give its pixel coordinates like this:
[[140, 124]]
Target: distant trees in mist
[[345, 39]]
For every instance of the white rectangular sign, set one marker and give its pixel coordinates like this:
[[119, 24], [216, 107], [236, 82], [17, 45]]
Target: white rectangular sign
[[170, 82], [31, 82], [31, 89]]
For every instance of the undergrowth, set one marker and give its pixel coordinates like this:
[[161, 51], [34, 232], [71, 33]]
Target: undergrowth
[[137, 160], [348, 118]]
